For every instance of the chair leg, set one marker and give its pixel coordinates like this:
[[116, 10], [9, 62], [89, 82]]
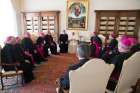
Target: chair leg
[[22, 79], [17, 79], [2, 83]]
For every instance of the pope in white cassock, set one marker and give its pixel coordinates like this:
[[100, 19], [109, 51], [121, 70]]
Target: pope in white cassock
[[73, 42]]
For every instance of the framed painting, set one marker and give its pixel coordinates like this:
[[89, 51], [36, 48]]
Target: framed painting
[[77, 14]]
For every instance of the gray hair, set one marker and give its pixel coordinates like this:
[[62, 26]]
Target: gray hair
[[83, 50]]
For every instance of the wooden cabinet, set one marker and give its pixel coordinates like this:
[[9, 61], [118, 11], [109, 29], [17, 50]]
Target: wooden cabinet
[[44, 21], [32, 22], [121, 22]]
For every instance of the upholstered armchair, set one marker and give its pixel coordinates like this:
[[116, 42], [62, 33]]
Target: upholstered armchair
[[129, 74], [92, 77]]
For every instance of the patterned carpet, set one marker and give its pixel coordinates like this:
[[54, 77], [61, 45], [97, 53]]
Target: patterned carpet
[[46, 75]]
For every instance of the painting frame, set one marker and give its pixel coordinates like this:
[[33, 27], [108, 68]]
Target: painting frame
[[77, 14]]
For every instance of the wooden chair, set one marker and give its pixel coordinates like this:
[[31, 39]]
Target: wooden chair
[[92, 77], [129, 74], [6, 74]]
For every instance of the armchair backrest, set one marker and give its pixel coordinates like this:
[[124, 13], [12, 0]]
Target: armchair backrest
[[129, 74], [92, 77]]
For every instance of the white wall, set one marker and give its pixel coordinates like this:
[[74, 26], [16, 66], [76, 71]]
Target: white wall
[[17, 7], [41, 5], [8, 25]]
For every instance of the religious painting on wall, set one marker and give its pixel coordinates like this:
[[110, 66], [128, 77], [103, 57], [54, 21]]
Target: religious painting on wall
[[77, 12]]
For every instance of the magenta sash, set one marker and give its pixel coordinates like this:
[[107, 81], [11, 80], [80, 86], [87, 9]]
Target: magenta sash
[[97, 48]]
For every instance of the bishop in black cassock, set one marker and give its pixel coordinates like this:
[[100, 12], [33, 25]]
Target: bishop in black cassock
[[63, 42]]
